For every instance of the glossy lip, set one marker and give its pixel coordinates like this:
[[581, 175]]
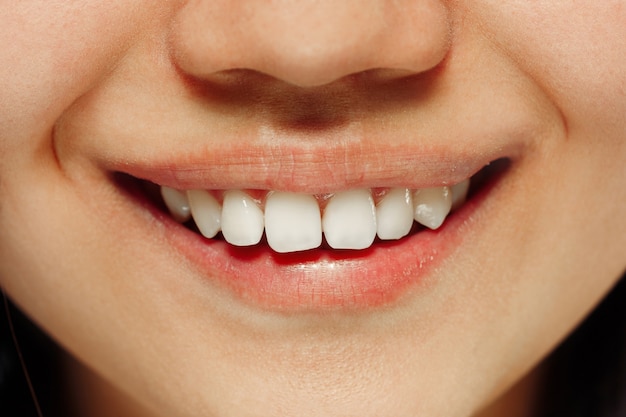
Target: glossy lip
[[324, 280]]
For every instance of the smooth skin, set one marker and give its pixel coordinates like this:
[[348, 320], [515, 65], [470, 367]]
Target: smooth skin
[[85, 84]]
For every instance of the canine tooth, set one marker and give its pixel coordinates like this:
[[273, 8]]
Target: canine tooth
[[206, 212], [431, 206], [459, 193], [394, 214], [349, 220], [242, 219], [177, 203], [292, 222]]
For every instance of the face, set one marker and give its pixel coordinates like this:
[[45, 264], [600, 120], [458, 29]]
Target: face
[[320, 109]]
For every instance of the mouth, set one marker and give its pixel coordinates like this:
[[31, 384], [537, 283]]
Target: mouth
[[300, 252]]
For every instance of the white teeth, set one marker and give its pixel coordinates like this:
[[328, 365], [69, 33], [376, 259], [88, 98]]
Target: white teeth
[[349, 220], [431, 206], [177, 203], [292, 222], [459, 193], [242, 219], [206, 212], [394, 214]]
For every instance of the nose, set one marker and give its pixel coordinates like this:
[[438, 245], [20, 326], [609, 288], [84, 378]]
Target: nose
[[309, 42]]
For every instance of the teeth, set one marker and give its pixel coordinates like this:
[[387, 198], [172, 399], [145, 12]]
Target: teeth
[[177, 203], [459, 193], [206, 212], [349, 220], [292, 222], [394, 214], [242, 219], [431, 206]]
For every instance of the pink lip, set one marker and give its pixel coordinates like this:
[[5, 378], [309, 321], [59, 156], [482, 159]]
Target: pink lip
[[323, 280], [319, 280]]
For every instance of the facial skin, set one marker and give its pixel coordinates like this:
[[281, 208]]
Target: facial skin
[[87, 86]]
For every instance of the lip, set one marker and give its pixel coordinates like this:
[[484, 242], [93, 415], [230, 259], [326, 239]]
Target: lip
[[315, 169], [322, 279]]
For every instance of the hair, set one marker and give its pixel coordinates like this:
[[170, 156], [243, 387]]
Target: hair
[[586, 373], [30, 365]]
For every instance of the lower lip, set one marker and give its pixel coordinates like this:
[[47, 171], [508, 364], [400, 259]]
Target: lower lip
[[325, 280]]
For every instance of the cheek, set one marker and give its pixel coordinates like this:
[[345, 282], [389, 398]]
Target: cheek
[[575, 52], [52, 51]]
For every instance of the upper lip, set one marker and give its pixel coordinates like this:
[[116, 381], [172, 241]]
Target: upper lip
[[315, 169]]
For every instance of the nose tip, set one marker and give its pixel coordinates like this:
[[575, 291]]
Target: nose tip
[[309, 43]]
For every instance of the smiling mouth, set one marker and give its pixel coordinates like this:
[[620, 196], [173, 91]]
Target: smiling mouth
[[309, 222], [301, 263]]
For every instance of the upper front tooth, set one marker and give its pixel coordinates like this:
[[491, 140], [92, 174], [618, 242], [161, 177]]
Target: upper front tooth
[[242, 219], [349, 220], [292, 222], [206, 212], [432, 205], [394, 214], [177, 203], [459, 193]]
